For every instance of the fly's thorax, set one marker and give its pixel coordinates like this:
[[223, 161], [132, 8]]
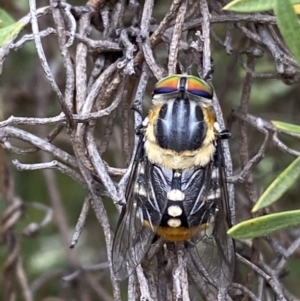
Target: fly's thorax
[[180, 125], [180, 134]]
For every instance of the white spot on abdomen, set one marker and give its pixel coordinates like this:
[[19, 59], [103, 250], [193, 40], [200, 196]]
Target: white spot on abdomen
[[174, 210], [174, 222], [175, 195]]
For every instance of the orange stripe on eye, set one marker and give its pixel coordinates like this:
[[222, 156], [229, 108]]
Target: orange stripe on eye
[[198, 87], [167, 85]]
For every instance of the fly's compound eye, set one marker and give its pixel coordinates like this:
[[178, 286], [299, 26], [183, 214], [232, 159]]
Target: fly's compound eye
[[198, 87], [167, 85]]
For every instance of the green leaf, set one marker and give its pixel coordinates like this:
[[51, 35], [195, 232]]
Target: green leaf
[[295, 2], [286, 127], [252, 6], [289, 27], [285, 14], [278, 187], [5, 19], [264, 225], [8, 33], [249, 6]]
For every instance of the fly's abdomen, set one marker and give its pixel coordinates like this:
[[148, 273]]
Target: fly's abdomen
[[180, 126]]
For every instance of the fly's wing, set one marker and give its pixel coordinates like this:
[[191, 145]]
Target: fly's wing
[[137, 223], [224, 242], [214, 253], [132, 238]]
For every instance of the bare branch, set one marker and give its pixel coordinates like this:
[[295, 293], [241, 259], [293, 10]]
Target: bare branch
[[206, 37], [33, 228], [176, 37], [43, 59], [80, 222], [11, 132]]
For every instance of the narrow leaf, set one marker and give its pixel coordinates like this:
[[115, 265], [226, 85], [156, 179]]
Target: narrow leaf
[[288, 25], [8, 33], [264, 225], [286, 127], [279, 186], [5, 19], [249, 6], [252, 6]]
